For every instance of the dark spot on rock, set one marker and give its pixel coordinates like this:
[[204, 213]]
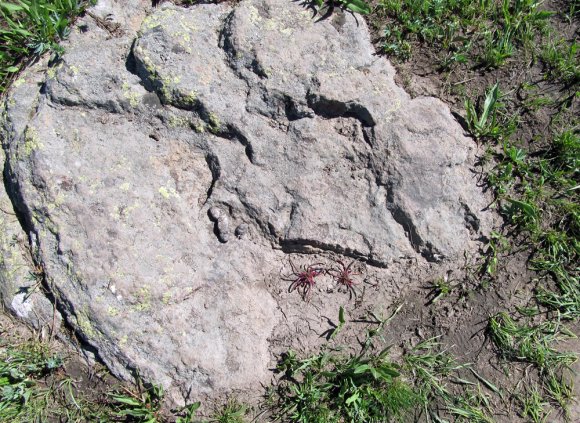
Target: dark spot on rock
[[151, 100]]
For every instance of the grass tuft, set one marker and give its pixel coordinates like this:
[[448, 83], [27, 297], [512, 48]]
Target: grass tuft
[[30, 28]]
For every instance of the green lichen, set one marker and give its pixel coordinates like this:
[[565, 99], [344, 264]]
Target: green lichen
[[189, 99], [113, 311], [85, 324], [31, 141], [133, 97], [144, 300], [156, 19], [168, 192], [124, 211], [123, 340], [168, 84], [178, 121], [214, 123], [198, 126], [18, 82]]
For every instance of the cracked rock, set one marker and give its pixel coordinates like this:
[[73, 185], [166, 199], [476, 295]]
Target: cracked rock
[[263, 119]]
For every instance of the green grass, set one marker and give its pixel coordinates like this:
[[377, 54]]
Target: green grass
[[331, 387], [232, 412], [562, 61], [531, 343], [34, 387], [30, 28], [435, 376], [485, 31], [370, 387]]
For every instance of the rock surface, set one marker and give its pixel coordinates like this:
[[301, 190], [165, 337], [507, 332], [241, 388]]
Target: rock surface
[[167, 171]]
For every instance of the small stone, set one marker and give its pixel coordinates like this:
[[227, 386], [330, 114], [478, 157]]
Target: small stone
[[215, 213], [242, 230]]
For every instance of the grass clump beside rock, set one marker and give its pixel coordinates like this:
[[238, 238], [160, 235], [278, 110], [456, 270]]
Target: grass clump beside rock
[[30, 28], [35, 386], [488, 32], [331, 388]]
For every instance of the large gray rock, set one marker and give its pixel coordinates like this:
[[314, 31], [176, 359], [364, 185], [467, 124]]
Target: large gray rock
[[168, 173]]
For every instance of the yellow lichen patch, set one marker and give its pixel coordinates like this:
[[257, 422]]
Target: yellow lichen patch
[[31, 141], [168, 84], [214, 123], [271, 25], [156, 19], [60, 199], [198, 126], [189, 98], [133, 97], [112, 311], [123, 340], [388, 115], [149, 65], [178, 121], [144, 299], [18, 82], [166, 297], [168, 192], [125, 186], [51, 72], [85, 324], [254, 15]]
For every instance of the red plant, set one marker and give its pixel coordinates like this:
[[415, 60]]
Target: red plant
[[343, 275], [303, 279]]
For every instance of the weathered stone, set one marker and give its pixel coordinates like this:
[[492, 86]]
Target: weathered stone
[[20, 280], [145, 152]]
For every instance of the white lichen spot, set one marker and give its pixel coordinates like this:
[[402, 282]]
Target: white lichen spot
[[125, 186], [21, 305]]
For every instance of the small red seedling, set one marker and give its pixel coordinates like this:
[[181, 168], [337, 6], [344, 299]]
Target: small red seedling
[[343, 275], [303, 279]]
